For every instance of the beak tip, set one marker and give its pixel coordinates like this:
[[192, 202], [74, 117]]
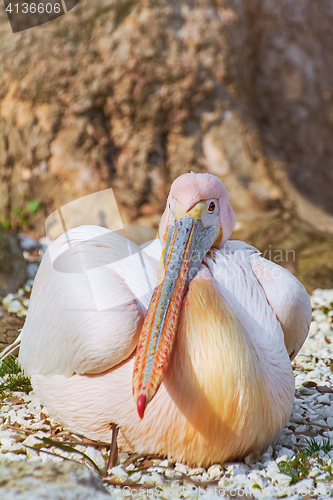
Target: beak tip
[[141, 405]]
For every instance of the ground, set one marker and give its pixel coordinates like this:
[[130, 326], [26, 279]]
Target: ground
[[299, 464]]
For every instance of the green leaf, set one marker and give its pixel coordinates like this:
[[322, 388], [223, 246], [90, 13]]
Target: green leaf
[[130, 472], [13, 379], [6, 224], [33, 206], [297, 468], [9, 366], [314, 447], [18, 211]]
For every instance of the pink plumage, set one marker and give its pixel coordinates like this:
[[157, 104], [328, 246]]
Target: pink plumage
[[228, 388], [190, 188]]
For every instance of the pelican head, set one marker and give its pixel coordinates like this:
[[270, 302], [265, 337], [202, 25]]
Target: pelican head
[[198, 216]]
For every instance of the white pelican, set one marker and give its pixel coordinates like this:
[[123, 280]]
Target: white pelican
[[202, 372]]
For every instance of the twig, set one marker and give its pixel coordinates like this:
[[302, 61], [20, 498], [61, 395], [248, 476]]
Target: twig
[[309, 422], [113, 455], [133, 458]]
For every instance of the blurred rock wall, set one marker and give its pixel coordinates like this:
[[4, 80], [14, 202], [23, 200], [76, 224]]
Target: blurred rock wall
[[283, 73], [115, 93], [129, 94]]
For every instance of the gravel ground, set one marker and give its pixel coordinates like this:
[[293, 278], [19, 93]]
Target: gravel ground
[[282, 471]]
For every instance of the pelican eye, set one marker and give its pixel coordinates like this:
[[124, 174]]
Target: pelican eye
[[211, 207]]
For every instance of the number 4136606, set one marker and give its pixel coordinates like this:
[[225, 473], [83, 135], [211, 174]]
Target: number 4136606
[[32, 8]]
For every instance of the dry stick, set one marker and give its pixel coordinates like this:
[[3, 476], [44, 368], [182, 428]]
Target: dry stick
[[92, 441], [97, 444], [19, 429], [136, 456], [133, 458], [319, 425], [113, 455]]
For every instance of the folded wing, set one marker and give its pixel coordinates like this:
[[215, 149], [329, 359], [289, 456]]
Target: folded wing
[[288, 299], [250, 283], [88, 303]]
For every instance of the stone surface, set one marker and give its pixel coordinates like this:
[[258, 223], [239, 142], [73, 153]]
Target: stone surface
[[50, 481], [9, 327], [24, 422], [282, 69], [13, 271]]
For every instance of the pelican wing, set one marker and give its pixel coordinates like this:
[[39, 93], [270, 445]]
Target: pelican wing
[[249, 282], [88, 303], [288, 299]]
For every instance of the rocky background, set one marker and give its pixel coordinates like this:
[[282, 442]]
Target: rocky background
[[129, 94]]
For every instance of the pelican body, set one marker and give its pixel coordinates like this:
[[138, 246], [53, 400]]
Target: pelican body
[[195, 367]]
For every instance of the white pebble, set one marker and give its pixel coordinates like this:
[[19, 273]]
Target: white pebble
[[172, 473], [135, 477], [14, 307], [324, 399], [147, 479], [196, 471], [7, 300], [268, 454], [32, 441], [7, 443], [119, 473], [214, 471], [181, 468], [237, 469], [302, 428], [122, 457], [272, 469], [165, 463], [282, 479], [285, 452], [314, 472], [97, 457], [12, 457], [297, 418]]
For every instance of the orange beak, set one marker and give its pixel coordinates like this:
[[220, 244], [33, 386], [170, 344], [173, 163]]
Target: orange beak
[[186, 247]]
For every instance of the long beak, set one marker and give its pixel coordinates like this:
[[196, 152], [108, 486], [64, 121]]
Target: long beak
[[186, 247]]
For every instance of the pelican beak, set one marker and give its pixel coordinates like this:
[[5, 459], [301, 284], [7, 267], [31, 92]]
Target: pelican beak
[[187, 244]]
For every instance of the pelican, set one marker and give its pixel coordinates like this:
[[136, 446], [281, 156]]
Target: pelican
[[195, 367]]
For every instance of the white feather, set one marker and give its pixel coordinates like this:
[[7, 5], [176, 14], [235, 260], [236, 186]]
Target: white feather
[[86, 321]]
